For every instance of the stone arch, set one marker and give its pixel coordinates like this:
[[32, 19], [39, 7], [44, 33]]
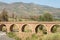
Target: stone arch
[[54, 28], [26, 28], [41, 27], [22, 29], [3, 26], [13, 28]]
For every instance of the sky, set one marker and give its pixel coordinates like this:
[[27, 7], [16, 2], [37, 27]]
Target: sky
[[52, 3]]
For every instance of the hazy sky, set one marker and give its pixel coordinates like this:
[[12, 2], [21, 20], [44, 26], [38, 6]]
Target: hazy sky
[[53, 3]]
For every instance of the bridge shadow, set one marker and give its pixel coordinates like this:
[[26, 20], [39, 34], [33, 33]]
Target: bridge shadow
[[41, 29], [55, 28], [13, 28], [23, 28], [3, 28], [26, 28]]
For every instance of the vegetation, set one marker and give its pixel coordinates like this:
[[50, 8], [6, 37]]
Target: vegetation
[[4, 29], [41, 29], [52, 36], [33, 37], [55, 28], [46, 17], [25, 13], [29, 9], [55, 36], [13, 35], [4, 15]]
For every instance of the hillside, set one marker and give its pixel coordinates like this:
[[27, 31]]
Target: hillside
[[29, 9]]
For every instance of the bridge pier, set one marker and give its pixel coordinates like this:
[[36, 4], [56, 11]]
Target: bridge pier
[[20, 26], [48, 27], [32, 27], [8, 27]]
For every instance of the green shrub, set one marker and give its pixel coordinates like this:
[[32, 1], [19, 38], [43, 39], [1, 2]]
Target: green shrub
[[55, 36], [33, 37], [17, 38], [28, 31], [13, 35], [20, 19], [44, 31]]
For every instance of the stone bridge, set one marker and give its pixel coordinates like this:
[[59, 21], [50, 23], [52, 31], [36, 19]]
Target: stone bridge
[[32, 25]]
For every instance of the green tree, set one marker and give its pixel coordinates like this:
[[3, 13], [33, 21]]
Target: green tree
[[48, 17], [4, 15], [41, 18]]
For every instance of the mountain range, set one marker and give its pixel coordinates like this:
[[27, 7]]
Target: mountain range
[[29, 9]]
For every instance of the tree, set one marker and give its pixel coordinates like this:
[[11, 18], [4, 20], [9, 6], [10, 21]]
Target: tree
[[13, 15], [4, 15], [41, 18], [48, 17]]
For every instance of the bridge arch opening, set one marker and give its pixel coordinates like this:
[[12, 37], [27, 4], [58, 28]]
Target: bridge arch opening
[[41, 29], [55, 28], [14, 28], [3, 28], [25, 28]]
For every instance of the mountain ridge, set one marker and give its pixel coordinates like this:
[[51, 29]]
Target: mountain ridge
[[28, 9]]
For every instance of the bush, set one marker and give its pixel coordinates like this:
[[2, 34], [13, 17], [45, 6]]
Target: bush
[[12, 35], [16, 38], [55, 36], [33, 37]]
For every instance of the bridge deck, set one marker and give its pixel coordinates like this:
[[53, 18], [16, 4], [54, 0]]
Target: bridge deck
[[31, 22]]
